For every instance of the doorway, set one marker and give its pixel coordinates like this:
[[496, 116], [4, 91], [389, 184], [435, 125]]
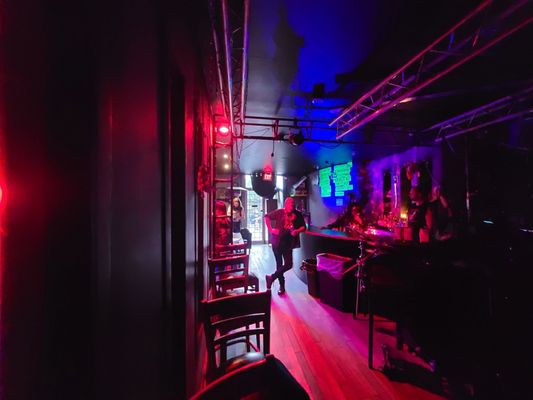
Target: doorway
[[255, 212]]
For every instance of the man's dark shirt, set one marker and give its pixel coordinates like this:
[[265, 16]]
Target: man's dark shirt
[[286, 223]]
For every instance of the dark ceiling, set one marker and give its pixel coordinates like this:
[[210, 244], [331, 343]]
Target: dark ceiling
[[349, 46]]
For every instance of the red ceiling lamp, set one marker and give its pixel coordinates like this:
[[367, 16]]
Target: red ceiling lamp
[[222, 129]]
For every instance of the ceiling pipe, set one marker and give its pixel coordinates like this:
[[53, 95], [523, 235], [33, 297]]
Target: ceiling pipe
[[318, 128], [310, 124], [227, 47], [287, 119], [325, 128], [244, 82], [331, 141], [218, 61]]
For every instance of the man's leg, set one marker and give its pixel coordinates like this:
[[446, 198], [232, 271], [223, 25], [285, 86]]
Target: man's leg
[[278, 255], [287, 265]]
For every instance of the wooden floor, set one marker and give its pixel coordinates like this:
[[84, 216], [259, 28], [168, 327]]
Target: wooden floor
[[326, 349]]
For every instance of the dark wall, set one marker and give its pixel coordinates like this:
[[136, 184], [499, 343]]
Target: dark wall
[[129, 347], [190, 132], [495, 165], [104, 233], [48, 124]]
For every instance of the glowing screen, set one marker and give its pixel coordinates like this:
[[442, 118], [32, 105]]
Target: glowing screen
[[335, 181]]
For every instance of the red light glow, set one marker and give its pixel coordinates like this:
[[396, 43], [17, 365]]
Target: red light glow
[[223, 129]]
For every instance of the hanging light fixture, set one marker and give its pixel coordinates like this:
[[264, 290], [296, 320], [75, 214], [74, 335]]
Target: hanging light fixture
[[296, 138]]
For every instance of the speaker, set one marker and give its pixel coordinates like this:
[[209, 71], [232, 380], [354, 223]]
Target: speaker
[[264, 188]]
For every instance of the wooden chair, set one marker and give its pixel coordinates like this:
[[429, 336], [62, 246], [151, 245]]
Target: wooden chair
[[267, 379], [240, 324], [230, 273], [236, 249]]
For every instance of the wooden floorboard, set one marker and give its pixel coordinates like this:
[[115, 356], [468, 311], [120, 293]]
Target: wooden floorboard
[[326, 349]]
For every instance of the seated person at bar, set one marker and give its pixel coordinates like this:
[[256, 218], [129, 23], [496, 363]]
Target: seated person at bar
[[223, 235], [351, 221], [420, 216]]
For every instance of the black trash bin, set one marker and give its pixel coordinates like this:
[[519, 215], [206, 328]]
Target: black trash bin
[[309, 265], [336, 280]]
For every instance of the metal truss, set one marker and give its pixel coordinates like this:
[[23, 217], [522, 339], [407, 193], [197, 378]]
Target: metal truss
[[230, 38], [309, 125], [473, 34], [217, 46], [230, 20], [504, 109]]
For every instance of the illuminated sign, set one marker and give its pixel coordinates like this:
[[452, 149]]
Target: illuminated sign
[[324, 182], [342, 178], [267, 174], [336, 181]]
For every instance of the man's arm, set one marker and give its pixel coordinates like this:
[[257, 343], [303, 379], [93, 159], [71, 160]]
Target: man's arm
[[429, 218], [302, 227], [339, 222], [298, 231], [269, 225], [445, 204]]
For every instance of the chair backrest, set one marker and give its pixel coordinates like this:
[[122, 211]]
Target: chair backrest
[[247, 237], [236, 322], [268, 379], [228, 272], [230, 249]]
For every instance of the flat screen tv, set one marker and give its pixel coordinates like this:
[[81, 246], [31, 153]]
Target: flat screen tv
[[336, 181]]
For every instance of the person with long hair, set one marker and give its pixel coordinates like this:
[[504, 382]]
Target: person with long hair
[[237, 214]]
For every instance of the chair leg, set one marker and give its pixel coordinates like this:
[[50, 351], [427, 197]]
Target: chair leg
[[248, 347], [253, 283]]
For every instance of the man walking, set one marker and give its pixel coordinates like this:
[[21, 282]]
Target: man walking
[[285, 225]]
